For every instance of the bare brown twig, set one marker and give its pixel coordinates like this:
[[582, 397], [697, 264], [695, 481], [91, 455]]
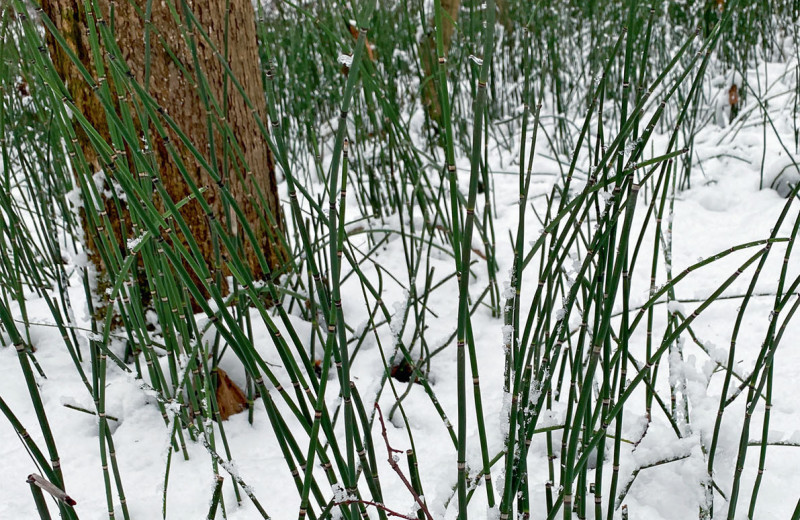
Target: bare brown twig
[[388, 511], [396, 467]]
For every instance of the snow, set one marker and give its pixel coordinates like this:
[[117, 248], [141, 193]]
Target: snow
[[133, 243], [676, 307], [345, 59], [476, 60], [698, 230], [726, 206], [782, 173]]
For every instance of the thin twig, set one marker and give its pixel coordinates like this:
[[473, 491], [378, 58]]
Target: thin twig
[[396, 467]]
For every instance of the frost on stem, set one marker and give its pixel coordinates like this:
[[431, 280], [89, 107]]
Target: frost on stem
[[508, 292], [508, 334], [340, 494], [133, 243], [396, 324]]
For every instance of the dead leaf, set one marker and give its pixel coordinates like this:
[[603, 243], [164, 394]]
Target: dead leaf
[[230, 398]]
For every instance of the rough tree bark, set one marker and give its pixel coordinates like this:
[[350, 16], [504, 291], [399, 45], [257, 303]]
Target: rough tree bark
[[427, 53], [427, 49], [174, 92]]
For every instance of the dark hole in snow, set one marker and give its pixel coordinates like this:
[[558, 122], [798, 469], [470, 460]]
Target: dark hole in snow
[[403, 372]]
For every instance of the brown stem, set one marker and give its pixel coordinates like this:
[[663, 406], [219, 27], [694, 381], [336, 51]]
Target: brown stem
[[396, 467]]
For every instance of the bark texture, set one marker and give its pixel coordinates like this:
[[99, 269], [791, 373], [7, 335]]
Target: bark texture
[[427, 52], [174, 92]]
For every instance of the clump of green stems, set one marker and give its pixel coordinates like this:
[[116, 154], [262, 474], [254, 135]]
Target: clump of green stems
[[568, 317]]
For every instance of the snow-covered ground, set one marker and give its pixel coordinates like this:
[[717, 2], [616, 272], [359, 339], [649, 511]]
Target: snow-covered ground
[[724, 207]]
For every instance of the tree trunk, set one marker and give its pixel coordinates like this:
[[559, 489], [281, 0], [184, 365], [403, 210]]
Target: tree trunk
[[174, 92], [427, 53]]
